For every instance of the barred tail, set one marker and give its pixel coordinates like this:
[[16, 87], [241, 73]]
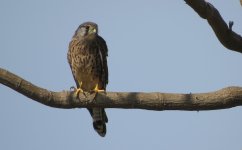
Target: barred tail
[[99, 120]]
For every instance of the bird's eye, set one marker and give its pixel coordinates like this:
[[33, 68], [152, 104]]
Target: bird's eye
[[87, 27]]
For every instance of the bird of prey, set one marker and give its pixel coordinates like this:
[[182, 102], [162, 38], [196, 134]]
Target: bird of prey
[[87, 57]]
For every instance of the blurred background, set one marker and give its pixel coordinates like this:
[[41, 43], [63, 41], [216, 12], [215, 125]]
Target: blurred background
[[154, 46]]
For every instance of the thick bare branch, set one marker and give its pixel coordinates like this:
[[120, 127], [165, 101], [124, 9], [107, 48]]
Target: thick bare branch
[[224, 33], [224, 98]]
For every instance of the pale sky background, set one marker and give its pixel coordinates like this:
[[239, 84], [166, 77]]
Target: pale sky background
[[154, 46]]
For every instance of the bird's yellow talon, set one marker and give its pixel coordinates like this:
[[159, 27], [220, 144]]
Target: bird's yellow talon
[[98, 90], [77, 92]]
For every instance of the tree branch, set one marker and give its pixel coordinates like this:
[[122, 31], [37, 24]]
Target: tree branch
[[224, 33], [224, 98]]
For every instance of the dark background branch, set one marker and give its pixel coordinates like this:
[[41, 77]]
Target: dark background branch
[[224, 33], [224, 98]]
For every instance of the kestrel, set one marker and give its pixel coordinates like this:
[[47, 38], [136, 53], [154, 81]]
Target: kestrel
[[87, 56]]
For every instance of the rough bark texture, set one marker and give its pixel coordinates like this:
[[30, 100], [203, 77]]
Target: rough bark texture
[[224, 33], [224, 98]]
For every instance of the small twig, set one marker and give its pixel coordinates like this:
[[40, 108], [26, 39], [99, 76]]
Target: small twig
[[231, 23]]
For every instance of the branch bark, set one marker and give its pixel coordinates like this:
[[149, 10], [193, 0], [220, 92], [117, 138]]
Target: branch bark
[[224, 33], [221, 99]]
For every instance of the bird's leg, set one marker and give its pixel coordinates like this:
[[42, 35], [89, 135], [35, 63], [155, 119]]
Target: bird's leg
[[96, 90], [78, 90]]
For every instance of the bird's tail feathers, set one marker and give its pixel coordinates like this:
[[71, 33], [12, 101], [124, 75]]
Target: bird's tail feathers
[[99, 121]]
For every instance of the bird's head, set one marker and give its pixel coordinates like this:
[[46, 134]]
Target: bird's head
[[87, 29]]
